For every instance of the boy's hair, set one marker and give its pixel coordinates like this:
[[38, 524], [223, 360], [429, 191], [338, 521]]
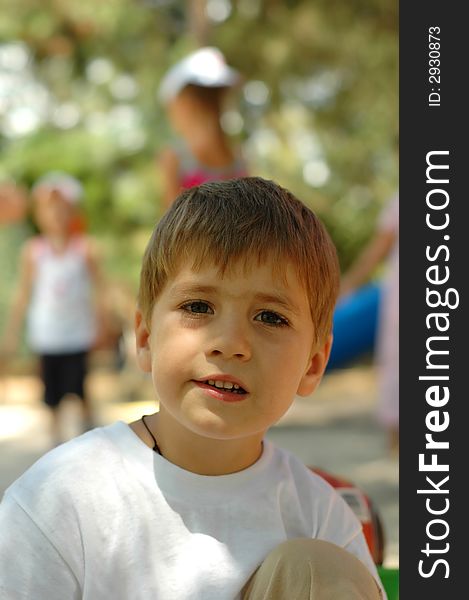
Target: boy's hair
[[243, 222]]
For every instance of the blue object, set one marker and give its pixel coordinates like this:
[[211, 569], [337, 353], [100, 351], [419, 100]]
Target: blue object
[[354, 325]]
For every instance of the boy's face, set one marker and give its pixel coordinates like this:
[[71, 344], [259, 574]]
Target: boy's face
[[209, 335]]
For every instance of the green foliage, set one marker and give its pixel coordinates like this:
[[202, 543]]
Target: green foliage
[[330, 67]]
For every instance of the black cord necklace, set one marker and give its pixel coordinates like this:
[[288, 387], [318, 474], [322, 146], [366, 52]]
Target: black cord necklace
[[156, 448]]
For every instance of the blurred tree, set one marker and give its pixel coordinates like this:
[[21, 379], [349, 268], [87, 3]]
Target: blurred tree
[[199, 25], [318, 108]]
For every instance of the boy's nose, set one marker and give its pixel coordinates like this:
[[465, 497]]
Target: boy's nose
[[230, 340]]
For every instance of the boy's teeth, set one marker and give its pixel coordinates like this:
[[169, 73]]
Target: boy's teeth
[[227, 385]]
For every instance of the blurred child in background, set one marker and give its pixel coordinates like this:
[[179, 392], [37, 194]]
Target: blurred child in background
[[193, 92], [58, 279], [384, 245]]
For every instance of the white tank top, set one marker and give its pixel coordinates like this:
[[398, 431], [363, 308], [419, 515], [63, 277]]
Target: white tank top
[[61, 316]]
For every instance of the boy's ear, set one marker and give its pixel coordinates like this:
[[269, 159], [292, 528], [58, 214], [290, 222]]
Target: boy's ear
[[142, 341], [316, 367]]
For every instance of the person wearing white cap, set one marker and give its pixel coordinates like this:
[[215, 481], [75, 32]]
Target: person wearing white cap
[[192, 92], [69, 188]]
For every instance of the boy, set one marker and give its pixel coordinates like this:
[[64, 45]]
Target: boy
[[237, 289]]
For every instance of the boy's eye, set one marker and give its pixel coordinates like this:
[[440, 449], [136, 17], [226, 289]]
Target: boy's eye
[[271, 318], [197, 307]]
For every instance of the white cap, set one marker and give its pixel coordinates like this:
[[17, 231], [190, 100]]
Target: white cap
[[205, 67], [69, 187]]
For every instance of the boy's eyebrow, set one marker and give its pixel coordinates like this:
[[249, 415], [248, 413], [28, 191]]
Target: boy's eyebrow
[[192, 288], [286, 302], [283, 301]]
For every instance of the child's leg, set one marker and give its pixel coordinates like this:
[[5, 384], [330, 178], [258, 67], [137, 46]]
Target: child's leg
[[306, 569], [65, 374], [51, 378], [55, 429], [87, 413], [75, 372]]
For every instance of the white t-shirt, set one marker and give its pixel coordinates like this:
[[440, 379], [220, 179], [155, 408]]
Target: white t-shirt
[[61, 315], [104, 516]]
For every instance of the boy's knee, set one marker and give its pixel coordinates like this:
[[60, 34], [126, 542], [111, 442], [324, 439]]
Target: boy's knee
[[316, 569]]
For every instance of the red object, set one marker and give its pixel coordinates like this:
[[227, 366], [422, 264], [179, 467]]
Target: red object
[[363, 509], [77, 224], [197, 177]]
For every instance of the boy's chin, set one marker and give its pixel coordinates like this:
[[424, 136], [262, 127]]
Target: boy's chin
[[207, 424]]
